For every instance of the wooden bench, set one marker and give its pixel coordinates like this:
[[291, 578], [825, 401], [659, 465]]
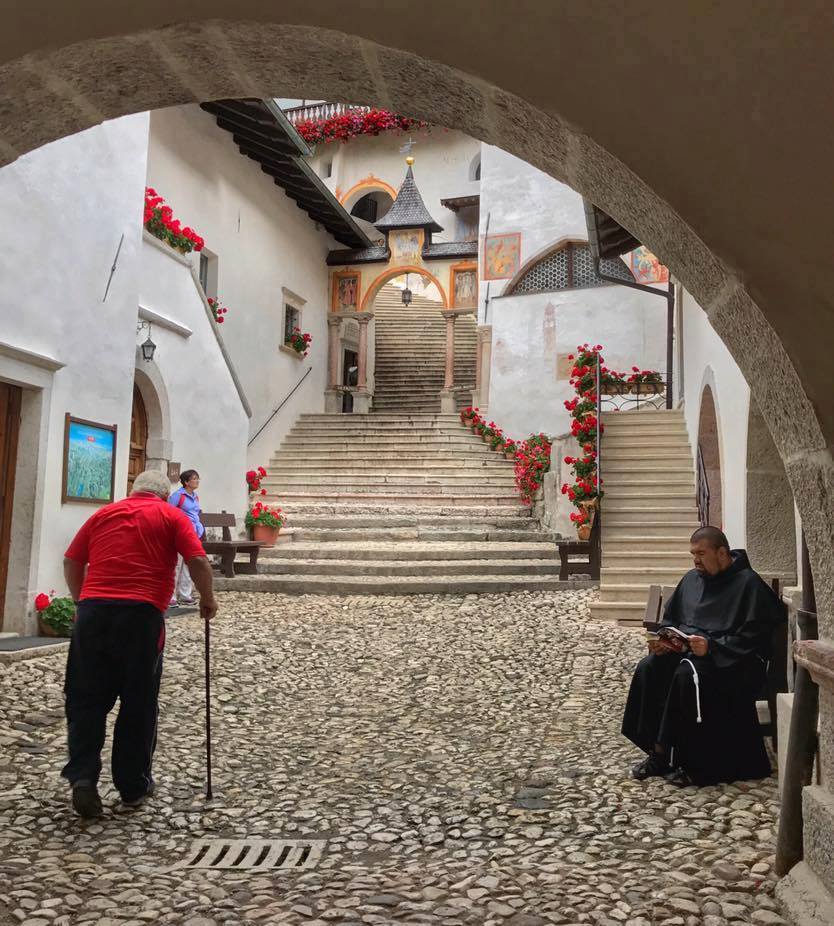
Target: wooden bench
[[776, 680], [589, 551], [227, 548]]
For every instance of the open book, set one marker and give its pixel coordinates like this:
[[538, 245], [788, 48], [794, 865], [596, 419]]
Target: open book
[[675, 639]]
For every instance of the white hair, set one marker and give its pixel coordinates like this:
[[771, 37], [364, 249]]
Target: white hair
[[151, 480]]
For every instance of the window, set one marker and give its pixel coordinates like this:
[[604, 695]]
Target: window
[[327, 169], [366, 208], [207, 272], [475, 168], [568, 267], [292, 320]]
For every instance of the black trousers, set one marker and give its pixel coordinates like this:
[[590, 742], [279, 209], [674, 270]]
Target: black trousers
[[663, 705], [115, 652]]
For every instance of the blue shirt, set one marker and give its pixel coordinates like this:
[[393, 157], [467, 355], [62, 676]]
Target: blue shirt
[[190, 504]]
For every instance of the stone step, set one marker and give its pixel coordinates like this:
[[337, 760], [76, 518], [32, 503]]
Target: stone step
[[645, 517], [446, 567], [395, 498], [622, 555], [349, 430], [411, 516], [657, 496], [675, 530], [651, 469], [378, 487], [481, 466], [429, 534], [336, 417], [626, 613], [419, 484], [338, 459], [392, 444], [621, 592], [648, 573], [405, 550], [635, 454], [681, 484], [399, 585]]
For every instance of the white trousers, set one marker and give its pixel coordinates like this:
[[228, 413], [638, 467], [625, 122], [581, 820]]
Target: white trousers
[[183, 584]]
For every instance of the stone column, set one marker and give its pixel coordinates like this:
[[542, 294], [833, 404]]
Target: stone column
[[450, 351], [362, 375], [334, 329], [485, 362]]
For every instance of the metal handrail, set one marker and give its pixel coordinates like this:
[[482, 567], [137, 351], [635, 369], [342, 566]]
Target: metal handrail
[[702, 491], [286, 399], [596, 538]]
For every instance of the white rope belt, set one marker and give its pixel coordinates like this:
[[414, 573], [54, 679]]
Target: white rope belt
[[697, 687]]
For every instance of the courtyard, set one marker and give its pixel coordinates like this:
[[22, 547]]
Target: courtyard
[[459, 755]]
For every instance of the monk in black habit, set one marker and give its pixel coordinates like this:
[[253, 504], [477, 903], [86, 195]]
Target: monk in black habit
[[694, 713]]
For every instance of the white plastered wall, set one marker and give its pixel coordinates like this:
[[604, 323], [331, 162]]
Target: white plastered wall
[[265, 245], [443, 158], [527, 392], [208, 421], [65, 207], [708, 362]]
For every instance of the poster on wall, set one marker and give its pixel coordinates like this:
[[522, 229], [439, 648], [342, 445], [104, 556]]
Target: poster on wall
[[464, 289], [347, 292], [646, 268], [502, 256], [89, 461]]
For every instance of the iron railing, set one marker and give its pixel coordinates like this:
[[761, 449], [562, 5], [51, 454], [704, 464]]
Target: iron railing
[[634, 396], [286, 399], [702, 490], [596, 529], [321, 111]]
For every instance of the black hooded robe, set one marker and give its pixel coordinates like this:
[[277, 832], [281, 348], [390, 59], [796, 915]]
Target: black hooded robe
[[736, 611]]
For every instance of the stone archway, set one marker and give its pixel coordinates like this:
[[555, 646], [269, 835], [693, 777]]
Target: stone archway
[[151, 387], [709, 448], [771, 527]]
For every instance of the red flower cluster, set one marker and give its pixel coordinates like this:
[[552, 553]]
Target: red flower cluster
[[253, 479], [265, 515], [42, 601], [299, 341], [354, 123], [532, 461], [489, 431], [160, 222], [218, 310]]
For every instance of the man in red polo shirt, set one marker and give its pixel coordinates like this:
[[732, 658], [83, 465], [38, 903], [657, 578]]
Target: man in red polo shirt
[[129, 553]]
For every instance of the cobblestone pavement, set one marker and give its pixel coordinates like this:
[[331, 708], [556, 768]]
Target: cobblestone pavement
[[461, 757]]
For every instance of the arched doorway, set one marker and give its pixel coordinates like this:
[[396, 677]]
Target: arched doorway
[[709, 456], [771, 525], [372, 206], [138, 438]]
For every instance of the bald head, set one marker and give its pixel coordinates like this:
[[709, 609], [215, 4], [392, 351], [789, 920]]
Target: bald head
[[710, 550], [152, 480]]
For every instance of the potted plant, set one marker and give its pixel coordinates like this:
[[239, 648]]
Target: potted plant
[[299, 341], [265, 522], [468, 416], [218, 310], [55, 615], [582, 523], [510, 449], [159, 220]]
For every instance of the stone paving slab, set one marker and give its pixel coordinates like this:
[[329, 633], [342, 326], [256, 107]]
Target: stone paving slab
[[460, 756]]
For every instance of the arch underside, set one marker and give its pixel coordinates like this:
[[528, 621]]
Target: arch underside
[[80, 83]]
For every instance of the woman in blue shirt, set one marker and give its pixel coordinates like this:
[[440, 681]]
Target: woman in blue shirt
[[186, 499]]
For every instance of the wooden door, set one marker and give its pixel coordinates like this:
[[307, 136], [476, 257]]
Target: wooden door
[[10, 399], [138, 438]]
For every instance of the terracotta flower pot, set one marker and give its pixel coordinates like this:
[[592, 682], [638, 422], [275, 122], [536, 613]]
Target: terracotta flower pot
[[583, 531], [267, 535], [509, 454], [46, 631]]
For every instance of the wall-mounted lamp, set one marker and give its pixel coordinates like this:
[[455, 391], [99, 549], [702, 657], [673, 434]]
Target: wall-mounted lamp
[[406, 293], [147, 346]]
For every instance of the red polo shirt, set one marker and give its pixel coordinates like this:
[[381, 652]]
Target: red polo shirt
[[131, 547]]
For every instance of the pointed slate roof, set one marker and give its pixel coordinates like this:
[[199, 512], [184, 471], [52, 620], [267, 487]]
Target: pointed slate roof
[[408, 209]]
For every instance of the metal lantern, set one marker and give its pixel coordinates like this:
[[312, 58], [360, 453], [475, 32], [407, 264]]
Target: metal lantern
[[148, 347], [406, 293]]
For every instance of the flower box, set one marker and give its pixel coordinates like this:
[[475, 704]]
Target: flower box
[[633, 389]]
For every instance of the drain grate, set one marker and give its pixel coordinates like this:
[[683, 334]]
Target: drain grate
[[253, 854]]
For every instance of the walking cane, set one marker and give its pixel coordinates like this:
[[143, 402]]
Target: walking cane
[[208, 710]]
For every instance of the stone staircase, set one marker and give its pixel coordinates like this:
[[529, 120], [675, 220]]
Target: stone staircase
[[649, 510], [398, 504], [410, 354]]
